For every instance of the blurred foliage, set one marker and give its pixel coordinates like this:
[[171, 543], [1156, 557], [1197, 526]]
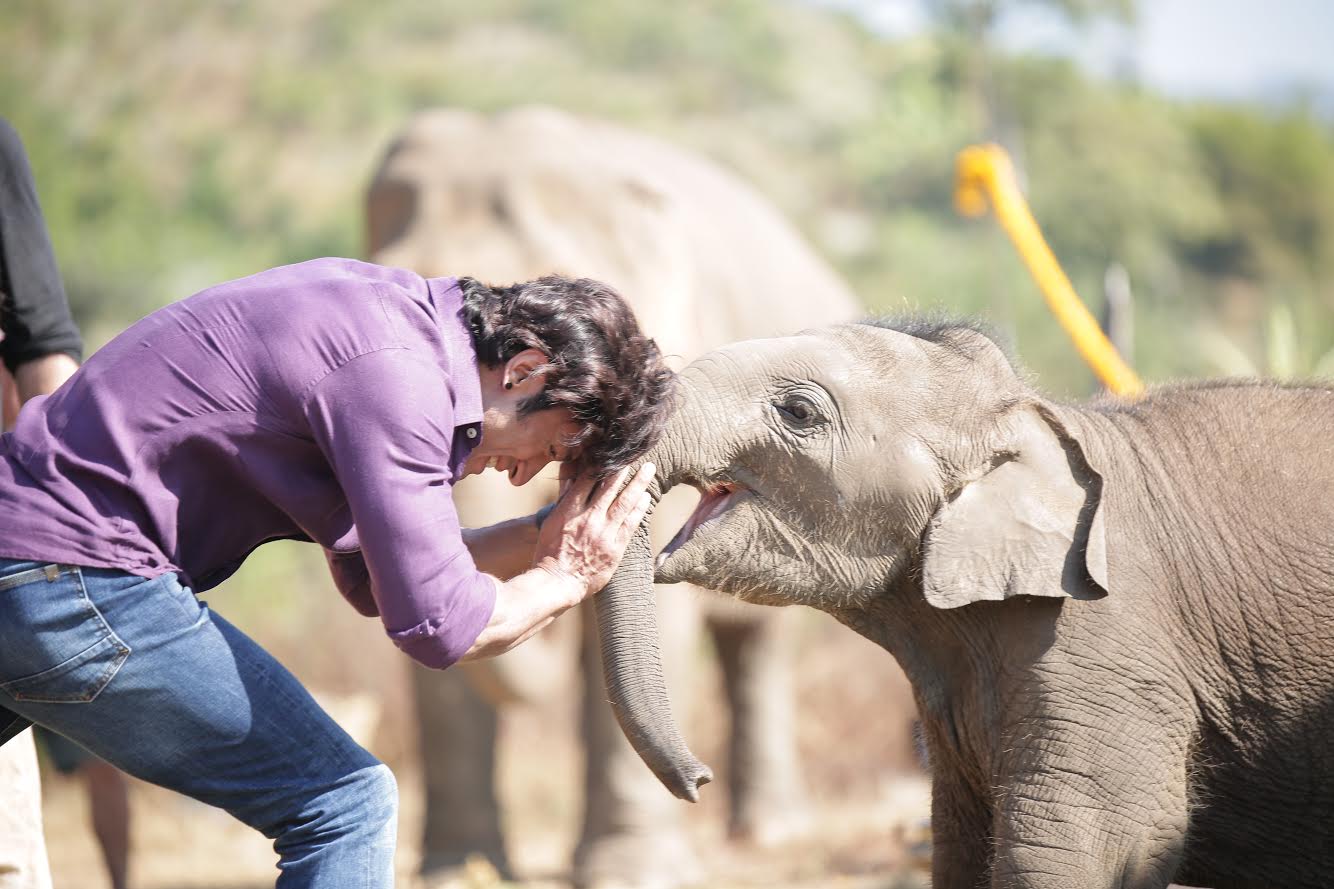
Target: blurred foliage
[[1286, 355], [177, 145], [987, 13]]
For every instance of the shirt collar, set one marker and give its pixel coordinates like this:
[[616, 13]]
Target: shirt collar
[[464, 378], [465, 383]]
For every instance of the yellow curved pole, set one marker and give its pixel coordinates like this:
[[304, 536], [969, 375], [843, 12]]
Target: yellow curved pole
[[984, 171]]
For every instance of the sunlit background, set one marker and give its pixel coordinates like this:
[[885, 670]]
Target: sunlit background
[[1186, 142]]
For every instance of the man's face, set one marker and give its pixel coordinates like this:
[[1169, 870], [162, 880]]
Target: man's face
[[522, 446]]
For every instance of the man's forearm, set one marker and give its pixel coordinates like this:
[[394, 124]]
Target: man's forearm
[[44, 375], [525, 605], [504, 550]]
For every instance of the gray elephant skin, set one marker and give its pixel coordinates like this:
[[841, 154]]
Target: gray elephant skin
[[704, 260], [1117, 618]]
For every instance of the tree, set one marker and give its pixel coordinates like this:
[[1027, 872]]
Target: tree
[[969, 27]]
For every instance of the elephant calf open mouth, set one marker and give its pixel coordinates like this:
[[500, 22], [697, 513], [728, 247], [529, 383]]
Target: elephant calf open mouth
[[715, 500]]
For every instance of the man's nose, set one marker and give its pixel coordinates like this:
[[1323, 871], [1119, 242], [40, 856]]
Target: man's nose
[[528, 469]]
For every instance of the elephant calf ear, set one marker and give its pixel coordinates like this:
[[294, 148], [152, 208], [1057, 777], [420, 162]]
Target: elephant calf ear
[[1031, 526]]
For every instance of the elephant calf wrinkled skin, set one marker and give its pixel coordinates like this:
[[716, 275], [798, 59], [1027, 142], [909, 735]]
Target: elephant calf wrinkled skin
[[1117, 618]]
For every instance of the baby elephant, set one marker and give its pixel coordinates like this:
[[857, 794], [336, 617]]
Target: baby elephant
[[1118, 618]]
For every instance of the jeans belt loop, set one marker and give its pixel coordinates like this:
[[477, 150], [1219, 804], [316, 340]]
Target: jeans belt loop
[[52, 573]]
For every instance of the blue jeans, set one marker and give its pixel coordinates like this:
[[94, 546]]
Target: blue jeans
[[148, 678]]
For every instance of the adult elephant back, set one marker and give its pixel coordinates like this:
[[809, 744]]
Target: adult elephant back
[[704, 260]]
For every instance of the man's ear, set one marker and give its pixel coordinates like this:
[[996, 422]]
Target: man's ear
[[524, 373], [1031, 526]]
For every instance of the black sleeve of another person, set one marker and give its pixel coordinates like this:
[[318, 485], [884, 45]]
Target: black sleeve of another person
[[34, 314]]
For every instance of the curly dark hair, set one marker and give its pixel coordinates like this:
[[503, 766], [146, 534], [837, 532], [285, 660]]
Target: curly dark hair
[[601, 368]]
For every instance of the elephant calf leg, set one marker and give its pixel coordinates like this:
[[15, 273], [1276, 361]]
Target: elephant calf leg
[[1093, 793], [1109, 843], [1032, 866]]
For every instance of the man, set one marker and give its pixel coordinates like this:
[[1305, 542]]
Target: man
[[40, 348], [332, 401]]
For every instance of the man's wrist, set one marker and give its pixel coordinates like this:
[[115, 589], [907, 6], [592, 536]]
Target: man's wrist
[[575, 585]]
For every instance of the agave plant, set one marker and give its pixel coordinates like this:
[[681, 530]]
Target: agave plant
[[1283, 356]]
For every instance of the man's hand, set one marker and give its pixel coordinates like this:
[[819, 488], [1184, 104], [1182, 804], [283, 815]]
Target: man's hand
[[580, 545], [586, 534]]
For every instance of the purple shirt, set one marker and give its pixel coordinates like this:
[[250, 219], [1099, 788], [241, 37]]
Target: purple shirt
[[333, 401]]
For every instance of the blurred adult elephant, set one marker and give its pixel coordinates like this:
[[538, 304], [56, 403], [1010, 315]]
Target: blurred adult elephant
[[1117, 619], [704, 260]]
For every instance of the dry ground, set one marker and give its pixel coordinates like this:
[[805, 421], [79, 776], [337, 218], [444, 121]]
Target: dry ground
[[179, 844], [854, 740]]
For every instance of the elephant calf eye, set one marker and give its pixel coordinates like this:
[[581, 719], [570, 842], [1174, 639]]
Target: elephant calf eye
[[797, 412]]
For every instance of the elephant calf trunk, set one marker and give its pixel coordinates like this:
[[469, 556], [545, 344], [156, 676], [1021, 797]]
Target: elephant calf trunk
[[628, 630]]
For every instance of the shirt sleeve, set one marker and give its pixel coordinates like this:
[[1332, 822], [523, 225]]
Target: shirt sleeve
[[34, 314], [385, 422], [353, 580]]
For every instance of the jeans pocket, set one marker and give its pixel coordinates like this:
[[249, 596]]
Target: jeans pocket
[[55, 646]]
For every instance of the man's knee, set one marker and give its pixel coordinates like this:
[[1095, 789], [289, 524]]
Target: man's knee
[[368, 800], [360, 805], [363, 803], [378, 792]]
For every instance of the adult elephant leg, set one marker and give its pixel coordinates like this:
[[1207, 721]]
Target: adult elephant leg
[[634, 831], [459, 710], [768, 802], [458, 743]]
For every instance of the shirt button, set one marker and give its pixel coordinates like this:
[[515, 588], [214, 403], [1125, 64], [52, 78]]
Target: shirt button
[[472, 431]]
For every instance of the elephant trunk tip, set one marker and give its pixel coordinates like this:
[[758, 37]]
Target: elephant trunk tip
[[662, 750], [686, 784]]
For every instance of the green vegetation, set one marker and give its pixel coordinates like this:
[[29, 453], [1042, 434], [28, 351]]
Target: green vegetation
[[181, 144]]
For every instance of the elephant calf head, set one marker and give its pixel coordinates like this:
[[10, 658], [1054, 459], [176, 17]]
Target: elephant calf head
[[850, 463]]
